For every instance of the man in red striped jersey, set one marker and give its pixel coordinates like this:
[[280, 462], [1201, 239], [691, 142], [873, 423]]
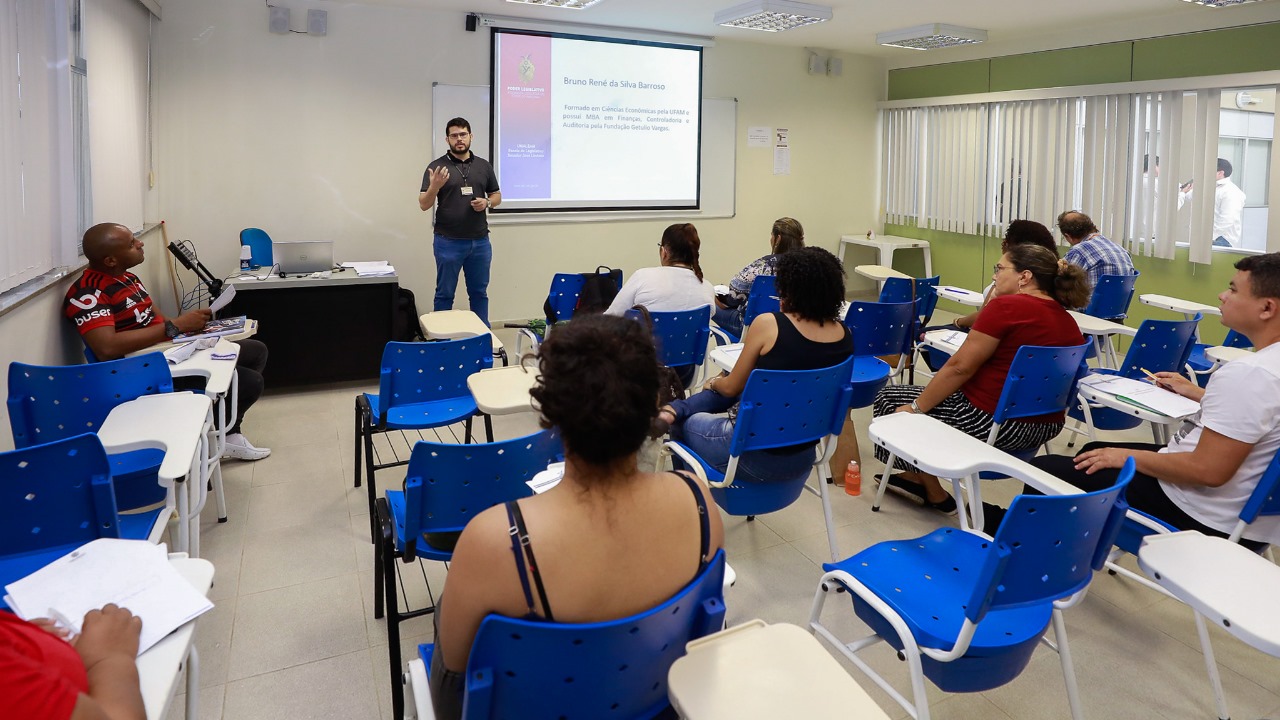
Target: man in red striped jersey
[[114, 315]]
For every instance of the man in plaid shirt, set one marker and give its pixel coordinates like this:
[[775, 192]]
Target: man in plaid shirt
[[1090, 250]]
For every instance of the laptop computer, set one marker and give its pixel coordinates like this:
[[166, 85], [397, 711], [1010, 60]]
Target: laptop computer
[[303, 257]]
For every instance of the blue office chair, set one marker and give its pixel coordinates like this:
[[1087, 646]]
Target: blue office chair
[[614, 669], [446, 485], [1110, 299], [55, 497], [561, 302], [259, 243], [780, 408], [1158, 346], [762, 299], [681, 339], [48, 403], [1041, 381], [1201, 367], [967, 611], [878, 329], [420, 386]]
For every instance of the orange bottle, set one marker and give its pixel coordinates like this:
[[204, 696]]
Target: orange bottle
[[853, 479]]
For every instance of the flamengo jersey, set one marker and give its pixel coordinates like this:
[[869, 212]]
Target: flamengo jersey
[[101, 300]]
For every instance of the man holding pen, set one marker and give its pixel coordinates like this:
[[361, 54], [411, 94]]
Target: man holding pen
[[1206, 473]]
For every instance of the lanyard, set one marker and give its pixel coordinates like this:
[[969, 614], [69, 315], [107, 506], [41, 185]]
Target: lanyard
[[462, 169]]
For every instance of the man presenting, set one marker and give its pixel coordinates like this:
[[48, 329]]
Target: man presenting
[[1228, 206], [114, 315], [462, 187]]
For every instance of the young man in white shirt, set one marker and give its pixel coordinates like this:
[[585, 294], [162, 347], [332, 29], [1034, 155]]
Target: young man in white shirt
[[1204, 476]]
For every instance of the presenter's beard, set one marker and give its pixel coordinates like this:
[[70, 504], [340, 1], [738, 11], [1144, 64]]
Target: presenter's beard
[[461, 148]]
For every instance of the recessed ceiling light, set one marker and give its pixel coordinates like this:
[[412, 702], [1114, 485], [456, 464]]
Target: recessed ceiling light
[[1220, 3], [931, 37], [772, 15], [568, 4]]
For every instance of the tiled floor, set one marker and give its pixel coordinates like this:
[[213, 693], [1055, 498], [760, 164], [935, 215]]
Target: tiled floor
[[293, 635]]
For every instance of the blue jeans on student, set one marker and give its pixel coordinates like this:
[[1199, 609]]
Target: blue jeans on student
[[472, 257], [729, 320], [702, 426]]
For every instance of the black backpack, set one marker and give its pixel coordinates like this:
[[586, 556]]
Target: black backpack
[[598, 290], [404, 324]]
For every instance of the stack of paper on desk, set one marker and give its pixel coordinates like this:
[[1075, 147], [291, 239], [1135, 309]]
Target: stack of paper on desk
[[133, 574], [377, 268], [1143, 394]]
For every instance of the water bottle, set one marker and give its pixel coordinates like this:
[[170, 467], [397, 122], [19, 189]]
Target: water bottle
[[853, 479], [246, 257]]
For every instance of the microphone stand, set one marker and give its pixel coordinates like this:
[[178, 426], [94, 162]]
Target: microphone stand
[[197, 267]]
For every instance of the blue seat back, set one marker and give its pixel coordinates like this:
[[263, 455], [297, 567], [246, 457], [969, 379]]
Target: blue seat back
[[921, 291], [1265, 499], [789, 407], [417, 372], [48, 403], [57, 493], [1048, 547], [762, 299], [1111, 298], [563, 296], [546, 671], [1236, 340], [1159, 346], [259, 243], [880, 328], [448, 484], [681, 336], [1041, 380]]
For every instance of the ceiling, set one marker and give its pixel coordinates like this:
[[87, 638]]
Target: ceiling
[[1013, 26]]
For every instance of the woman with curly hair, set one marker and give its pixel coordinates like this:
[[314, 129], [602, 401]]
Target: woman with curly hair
[[1033, 290], [610, 541], [805, 335]]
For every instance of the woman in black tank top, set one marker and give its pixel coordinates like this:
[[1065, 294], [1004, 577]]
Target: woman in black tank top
[[807, 334], [561, 549]]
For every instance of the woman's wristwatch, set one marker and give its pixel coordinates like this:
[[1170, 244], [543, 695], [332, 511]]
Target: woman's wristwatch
[[915, 408]]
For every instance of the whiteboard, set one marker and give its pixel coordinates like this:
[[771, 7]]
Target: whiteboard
[[719, 162]]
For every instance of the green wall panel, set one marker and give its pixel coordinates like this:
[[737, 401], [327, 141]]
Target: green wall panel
[[1060, 68], [1233, 50], [960, 78]]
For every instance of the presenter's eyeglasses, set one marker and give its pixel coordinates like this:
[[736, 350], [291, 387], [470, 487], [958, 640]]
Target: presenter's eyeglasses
[[459, 135]]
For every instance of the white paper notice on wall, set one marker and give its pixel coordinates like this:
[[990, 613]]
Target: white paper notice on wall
[[758, 136], [782, 151]]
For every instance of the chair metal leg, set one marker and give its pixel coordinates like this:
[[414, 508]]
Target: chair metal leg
[[825, 496], [884, 483], [388, 572], [468, 439], [1068, 670], [1211, 665], [193, 681], [359, 437], [488, 427]]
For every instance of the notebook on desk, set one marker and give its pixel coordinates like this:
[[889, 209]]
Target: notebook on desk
[[306, 256]]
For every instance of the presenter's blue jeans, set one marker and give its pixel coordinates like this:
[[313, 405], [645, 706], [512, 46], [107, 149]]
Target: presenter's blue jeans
[[701, 425], [472, 258]]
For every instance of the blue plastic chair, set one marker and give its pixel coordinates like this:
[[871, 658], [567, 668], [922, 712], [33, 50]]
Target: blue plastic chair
[[924, 293], [1202, 367], [1110, 299], [762, 299], [446, 485], [878, 329], [259, 243], [1158, 346], [966, 611], [1041, 380], [681, 336], [779, 408], [615, 669], [420, 386], [56, 497], [48, 403]]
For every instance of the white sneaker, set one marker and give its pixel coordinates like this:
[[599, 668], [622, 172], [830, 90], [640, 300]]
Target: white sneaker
[[239, 448]]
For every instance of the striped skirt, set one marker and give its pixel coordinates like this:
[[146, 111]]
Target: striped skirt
[[959, 413]]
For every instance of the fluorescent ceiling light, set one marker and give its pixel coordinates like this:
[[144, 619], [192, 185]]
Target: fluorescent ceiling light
[[931, 37], [568, 4], [772, 15], [1220, 3]]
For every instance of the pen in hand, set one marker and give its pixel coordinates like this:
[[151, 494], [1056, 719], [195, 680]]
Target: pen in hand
[[1155, 380]]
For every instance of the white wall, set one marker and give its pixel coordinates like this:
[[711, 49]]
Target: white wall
[[327, 138]]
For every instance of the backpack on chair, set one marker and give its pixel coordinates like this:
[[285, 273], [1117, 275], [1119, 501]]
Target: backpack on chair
[[598, 290]]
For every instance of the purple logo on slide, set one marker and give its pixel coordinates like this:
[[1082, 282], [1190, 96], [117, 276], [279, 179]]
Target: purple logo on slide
[[525, 117]]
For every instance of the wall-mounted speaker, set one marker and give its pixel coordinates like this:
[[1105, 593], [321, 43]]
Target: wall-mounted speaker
[[472, 21], [278, 22], [317, 22]]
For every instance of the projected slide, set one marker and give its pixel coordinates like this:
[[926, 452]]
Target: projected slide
[[595, 124]]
